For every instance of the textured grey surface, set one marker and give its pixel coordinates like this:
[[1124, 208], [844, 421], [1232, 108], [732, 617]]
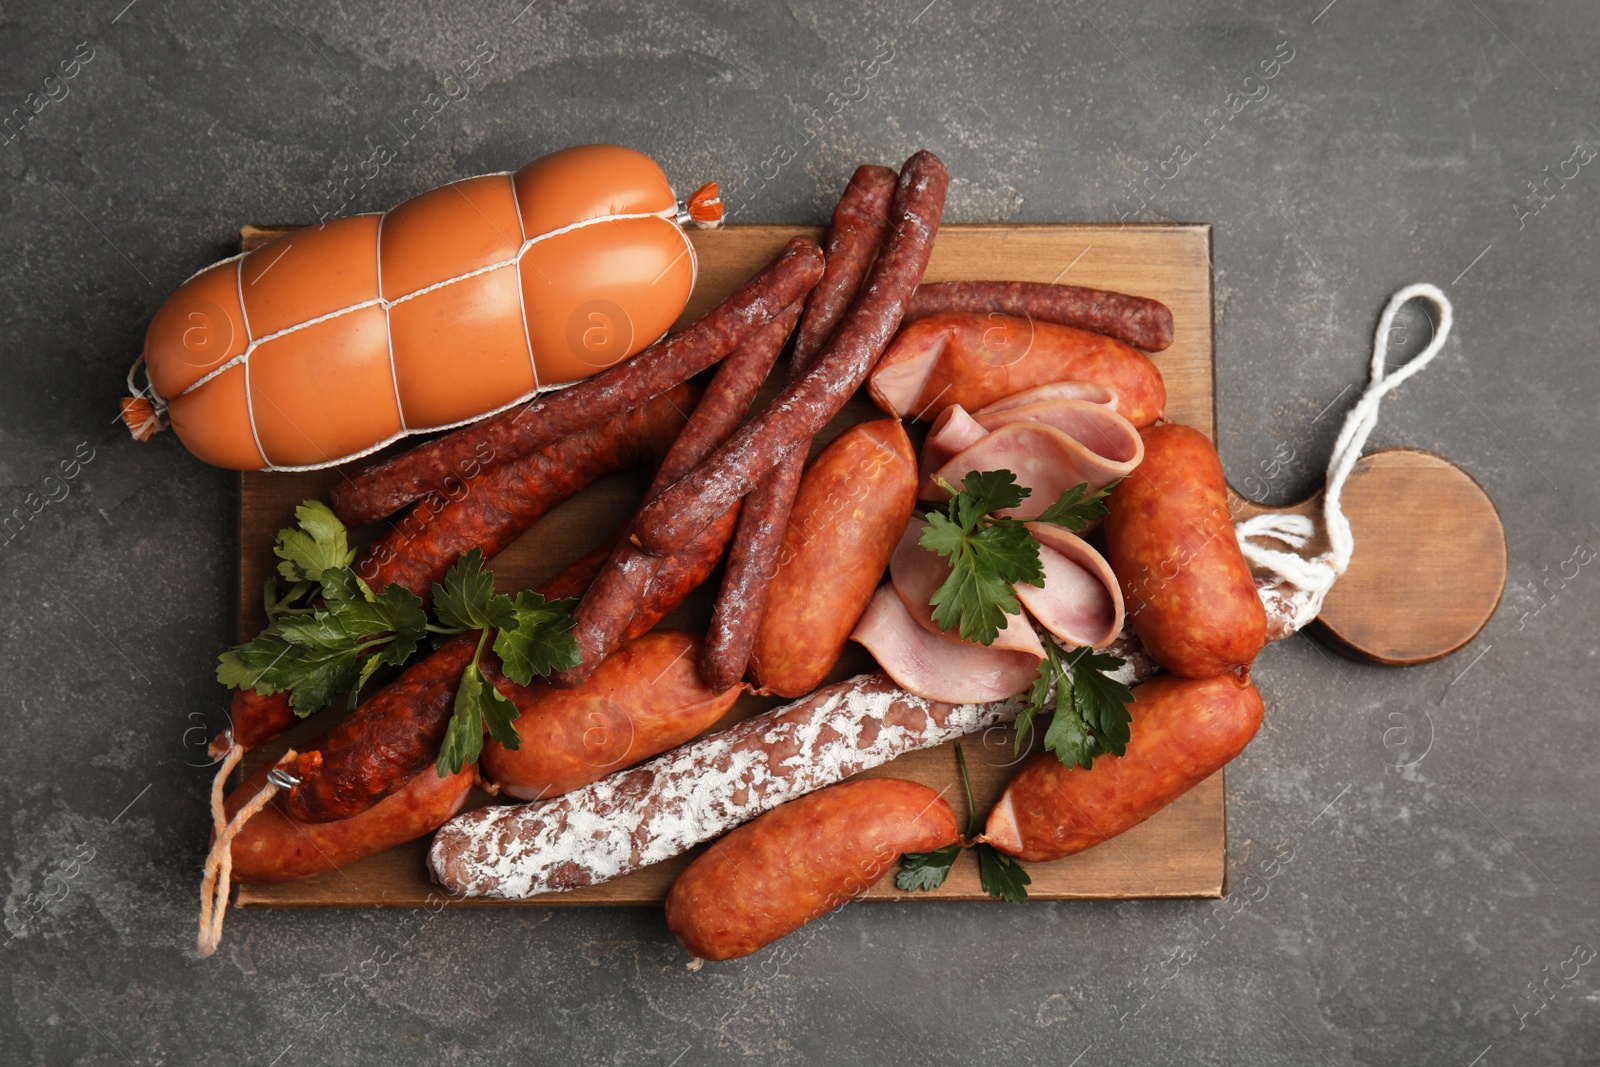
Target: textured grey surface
[[1411, 911]]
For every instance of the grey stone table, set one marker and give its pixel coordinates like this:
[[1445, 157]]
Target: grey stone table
[[1433, 897]]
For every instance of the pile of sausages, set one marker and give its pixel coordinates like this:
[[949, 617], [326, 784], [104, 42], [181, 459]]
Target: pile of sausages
[[612, 764]]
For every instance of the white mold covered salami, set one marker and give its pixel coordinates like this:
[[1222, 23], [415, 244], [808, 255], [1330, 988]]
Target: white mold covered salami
[[662, 808]]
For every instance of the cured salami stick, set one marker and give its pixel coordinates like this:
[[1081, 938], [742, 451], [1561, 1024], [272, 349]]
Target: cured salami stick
[[662, 808], [619, 591], [494, 508], [1135, 320], [802, 408], [383, 488], [860, 222]]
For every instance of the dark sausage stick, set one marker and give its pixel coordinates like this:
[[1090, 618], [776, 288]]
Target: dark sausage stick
[[1135, 320], [504, 500], [383, 488], [860, 222], [499, 504], [801, 409], [619, 590]]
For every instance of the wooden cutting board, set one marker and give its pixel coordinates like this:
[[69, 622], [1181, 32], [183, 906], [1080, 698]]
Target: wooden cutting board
[[1178, 853]]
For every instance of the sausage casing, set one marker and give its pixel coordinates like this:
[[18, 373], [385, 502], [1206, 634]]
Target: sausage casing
[[852, 508], [643, 699], [800, 861], [1170, 539], [1184, 730]]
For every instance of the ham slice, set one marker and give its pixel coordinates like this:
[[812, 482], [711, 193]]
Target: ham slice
[[1093, 392], [953, 432], [916, 575], [1043, 458], [1081, 602], [933, 666], [1095, 426]]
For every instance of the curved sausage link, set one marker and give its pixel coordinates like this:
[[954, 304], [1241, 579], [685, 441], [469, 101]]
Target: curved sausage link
[[860, 222], [802, 408]]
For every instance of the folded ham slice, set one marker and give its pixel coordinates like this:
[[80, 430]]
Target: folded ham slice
[[916, 575], [1081, 602], [1094, 392], [1045, 459], [933, 666]]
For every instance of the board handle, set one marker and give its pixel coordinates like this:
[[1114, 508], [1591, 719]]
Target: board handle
[[1429, 566]]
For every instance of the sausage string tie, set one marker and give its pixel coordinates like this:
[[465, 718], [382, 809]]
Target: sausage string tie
[[215, 885], [1307, 581]]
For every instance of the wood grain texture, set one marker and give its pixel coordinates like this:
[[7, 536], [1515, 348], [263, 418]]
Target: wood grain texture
[[1178, 853]]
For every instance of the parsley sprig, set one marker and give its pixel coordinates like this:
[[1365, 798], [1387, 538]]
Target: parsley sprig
[[328, 633], [1090, 713], [990, 554], [1001, 876]]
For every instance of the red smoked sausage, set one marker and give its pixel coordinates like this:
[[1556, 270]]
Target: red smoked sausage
[[490, 509], [612, 602], [383, 488], [391, 738], [1184, 730], [645, 698], [859, 223], [800, 861], [273, 847], [1137, 320], [852, 508], [974, 359], [806, 404], [1170, 539]]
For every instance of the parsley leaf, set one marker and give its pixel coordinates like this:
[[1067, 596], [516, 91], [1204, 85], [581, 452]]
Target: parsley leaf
[[467, 600], [318, 542], [1077, 507], [478, 704], [1001, 876], [990, 554], [1091, 717], [926, 870], [540, 641], [986, 555]]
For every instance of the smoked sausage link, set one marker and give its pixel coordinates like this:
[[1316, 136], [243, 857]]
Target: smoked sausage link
[[859, 223], [806, 404], [1136, 320], [974, 360], [371, 493], [273, 847], [1184, 730], [800, 861], [1170, 539], [492, 509], [390, 739], [643, 699], [851, 510]]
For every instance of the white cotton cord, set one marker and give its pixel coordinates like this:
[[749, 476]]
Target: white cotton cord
[[1312, 578]]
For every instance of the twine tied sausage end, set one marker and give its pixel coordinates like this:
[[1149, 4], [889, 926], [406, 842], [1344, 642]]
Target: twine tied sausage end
[[215, 885]]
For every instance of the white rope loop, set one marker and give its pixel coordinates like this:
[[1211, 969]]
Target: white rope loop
[[1314, 577]]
